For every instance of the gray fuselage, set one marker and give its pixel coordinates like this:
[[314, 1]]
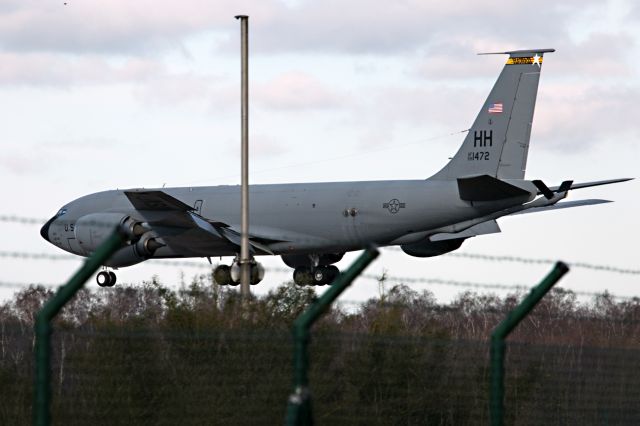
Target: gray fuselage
[[302, 217]]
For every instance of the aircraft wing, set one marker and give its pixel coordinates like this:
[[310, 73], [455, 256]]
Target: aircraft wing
[[156, 200], [181, 227]]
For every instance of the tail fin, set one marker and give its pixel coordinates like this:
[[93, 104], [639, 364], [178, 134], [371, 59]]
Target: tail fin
[[498, 142]]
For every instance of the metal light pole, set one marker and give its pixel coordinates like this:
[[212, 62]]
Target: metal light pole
[[245, 260]]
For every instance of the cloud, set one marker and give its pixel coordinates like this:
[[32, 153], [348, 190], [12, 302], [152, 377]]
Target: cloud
[[47, 69], [173, 89], [91, 42], [359, 26], [599, 56], [296, 91], [108, 26], [266, 146], [23, 158], [580, 115], [21, 163], [363, 26]]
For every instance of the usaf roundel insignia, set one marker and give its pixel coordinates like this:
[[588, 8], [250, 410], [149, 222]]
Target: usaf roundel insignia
[[394, 206]]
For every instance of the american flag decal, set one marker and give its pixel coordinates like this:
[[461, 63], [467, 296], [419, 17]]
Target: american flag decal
[[495, 108]]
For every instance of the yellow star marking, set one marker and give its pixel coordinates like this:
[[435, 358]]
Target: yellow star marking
[[537, 60]]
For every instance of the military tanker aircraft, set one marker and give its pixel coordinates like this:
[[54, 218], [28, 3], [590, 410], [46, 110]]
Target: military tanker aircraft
[[312, 225]]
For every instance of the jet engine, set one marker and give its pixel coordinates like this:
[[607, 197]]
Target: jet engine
[[137, 252], [432, 248], [93, 229]]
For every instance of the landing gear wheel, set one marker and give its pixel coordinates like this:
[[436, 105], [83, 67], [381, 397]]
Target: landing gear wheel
[[104, 279], [303, 276], [257, 273], [222, 275], [112, 278], [332, 273], [319, 275], [325, 274]]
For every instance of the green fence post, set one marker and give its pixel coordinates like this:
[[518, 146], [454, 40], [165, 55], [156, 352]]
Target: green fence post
[[299, 403], [501, 332], [42, 402]]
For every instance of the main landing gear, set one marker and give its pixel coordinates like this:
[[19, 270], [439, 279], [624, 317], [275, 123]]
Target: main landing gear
[[318, 275], [313, 268], [230, 275], [106, 278]]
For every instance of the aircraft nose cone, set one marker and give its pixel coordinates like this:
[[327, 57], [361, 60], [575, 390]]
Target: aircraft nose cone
[[44, 231]]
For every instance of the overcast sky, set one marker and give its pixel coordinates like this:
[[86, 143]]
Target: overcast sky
[[99, 95]]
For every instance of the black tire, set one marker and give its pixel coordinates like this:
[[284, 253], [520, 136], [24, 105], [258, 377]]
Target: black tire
[[326, 274], [332, 273], [303, 276], [257, 273], [103, 279], [112, 278], [222, 275], [320, 275]]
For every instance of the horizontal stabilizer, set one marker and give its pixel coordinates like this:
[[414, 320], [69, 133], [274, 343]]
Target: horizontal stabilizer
[[155, 200], [487, 188], [590, 184], [523, 52], [488, 227], [564, 205]]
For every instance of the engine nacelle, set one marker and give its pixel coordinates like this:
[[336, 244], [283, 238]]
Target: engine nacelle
[[432, 248], [137, 252], [126, 256], [93, 229]]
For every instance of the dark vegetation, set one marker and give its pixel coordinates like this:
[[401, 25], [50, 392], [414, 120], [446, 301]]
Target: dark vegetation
[[146, 354]]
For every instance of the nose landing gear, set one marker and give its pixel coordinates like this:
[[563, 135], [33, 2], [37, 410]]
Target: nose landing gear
[[106, 278]]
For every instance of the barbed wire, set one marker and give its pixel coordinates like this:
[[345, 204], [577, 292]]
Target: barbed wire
[[532, 260], [407, 280], [517, 288], [404, 280], [22, 220], [518, 259], [472, 256]]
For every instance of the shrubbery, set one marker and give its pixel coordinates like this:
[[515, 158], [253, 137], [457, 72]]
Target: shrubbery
[[152, 355]]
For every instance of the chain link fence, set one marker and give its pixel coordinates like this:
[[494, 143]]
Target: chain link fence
[[149, 355]]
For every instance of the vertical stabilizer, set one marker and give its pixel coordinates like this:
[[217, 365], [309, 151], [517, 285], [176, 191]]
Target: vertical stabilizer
[[498, 142]]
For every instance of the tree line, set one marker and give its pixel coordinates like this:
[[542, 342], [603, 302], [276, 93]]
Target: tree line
[[150, 354]]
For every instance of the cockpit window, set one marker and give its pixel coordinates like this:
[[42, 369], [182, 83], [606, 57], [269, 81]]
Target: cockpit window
[[61, 212]]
